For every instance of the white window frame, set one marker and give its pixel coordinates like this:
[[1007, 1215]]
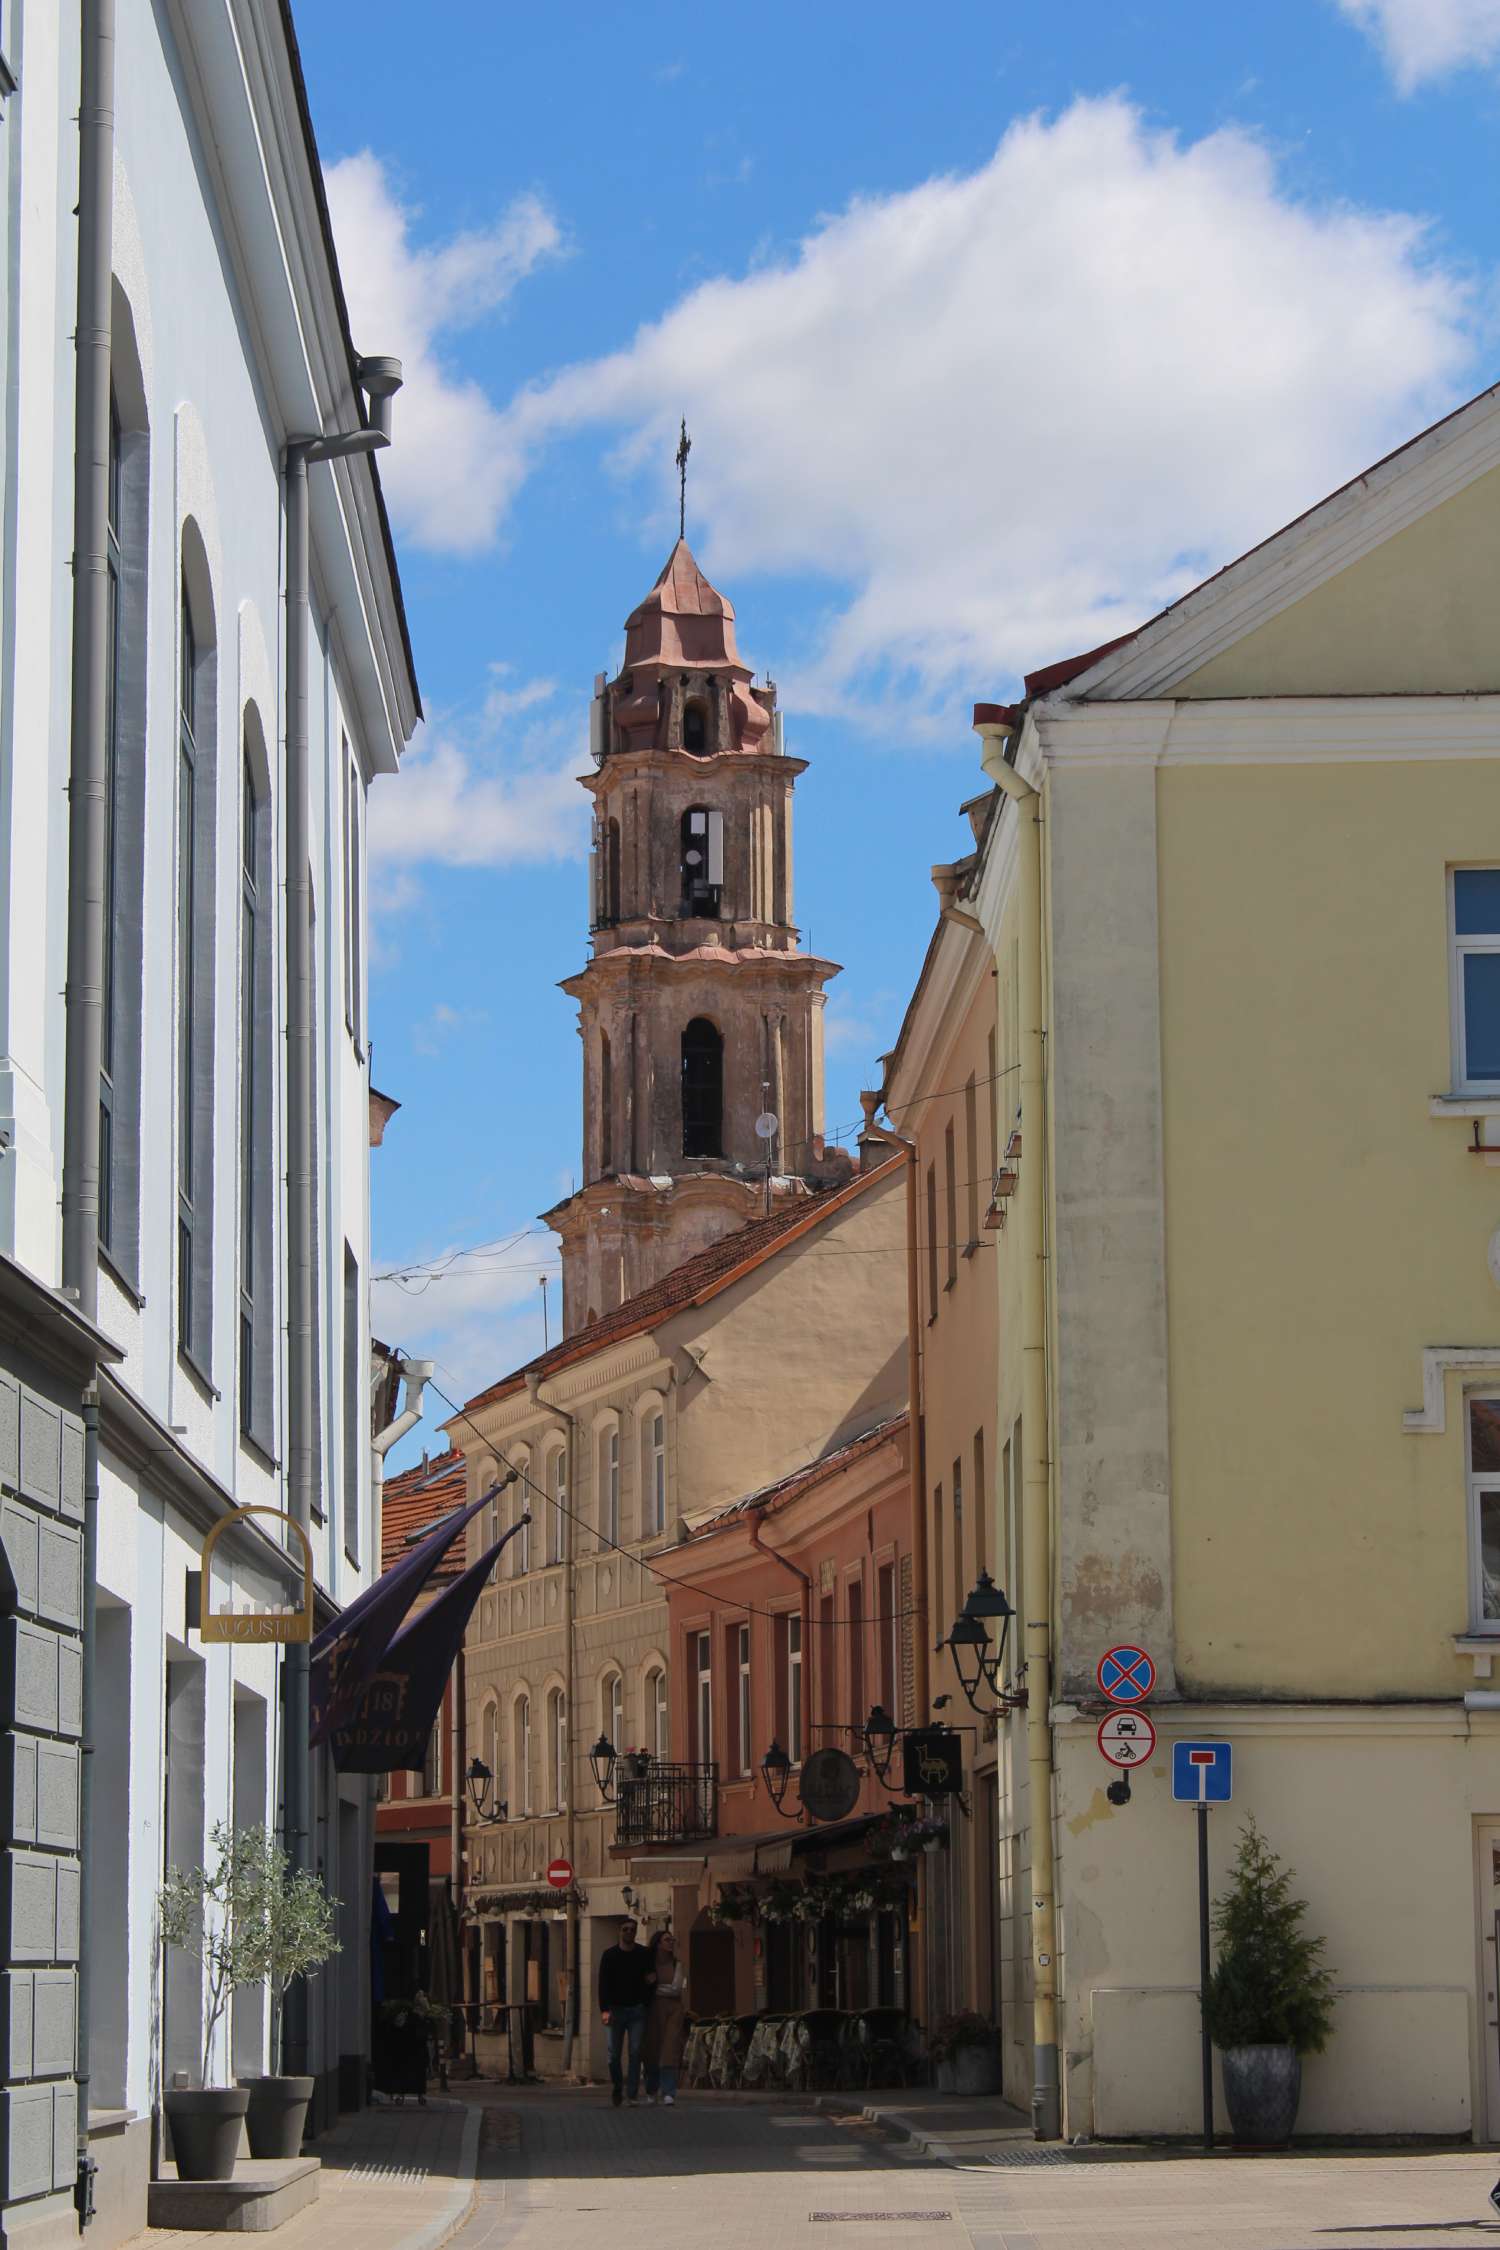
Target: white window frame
[[612, 1709], [609, 1487], [558, 1502], [520, 1546], [796, 1656], [657, 1713], [742, 1694], [654, 1472], [520, 1727], [1459, 949], [1481, 1484], [703, 1694]]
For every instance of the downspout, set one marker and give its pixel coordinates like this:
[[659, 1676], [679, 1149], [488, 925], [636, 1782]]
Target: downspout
[[771, 1555], [380, 378], [84, 1006], [416, 1374], [570, 1816], [917, 1424], [1036, 1593]]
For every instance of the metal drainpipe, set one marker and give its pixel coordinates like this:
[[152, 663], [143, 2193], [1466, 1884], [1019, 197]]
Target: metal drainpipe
[[302, 1462], [1046, 2100], [87, 785]]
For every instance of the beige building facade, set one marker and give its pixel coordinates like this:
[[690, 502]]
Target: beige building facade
[[1243, 905]]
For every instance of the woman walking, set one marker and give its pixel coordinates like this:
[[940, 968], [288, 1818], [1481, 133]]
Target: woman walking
[[666, 2021]]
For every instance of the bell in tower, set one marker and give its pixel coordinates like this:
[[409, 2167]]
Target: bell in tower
[[701, 1020]]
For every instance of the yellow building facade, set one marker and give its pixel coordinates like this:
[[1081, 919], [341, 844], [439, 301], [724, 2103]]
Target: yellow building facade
[[1243, 906]]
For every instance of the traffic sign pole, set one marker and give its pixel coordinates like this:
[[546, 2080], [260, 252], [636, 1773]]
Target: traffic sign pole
[[1203, 1974]]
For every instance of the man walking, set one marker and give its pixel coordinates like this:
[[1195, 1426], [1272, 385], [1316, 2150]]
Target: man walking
[[625, 1981]]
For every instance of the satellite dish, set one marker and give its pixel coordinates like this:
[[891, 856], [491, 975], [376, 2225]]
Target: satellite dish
[[766, 1125]]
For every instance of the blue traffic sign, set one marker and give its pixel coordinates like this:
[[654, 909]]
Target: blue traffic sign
[[1126, 1674], [1201, 1773]]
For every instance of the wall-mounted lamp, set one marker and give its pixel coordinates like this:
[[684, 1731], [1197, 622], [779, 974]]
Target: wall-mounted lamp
[[487, 1813]]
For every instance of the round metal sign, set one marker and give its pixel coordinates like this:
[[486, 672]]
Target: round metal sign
[[1127, 1738], [1126, 1674], [559, 1873], [829, 1784]]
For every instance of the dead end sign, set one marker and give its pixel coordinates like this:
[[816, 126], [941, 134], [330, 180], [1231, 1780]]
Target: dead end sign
[[560, 1873], [1126, 1738], [1126, 1674]]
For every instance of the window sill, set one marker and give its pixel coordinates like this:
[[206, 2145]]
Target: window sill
[[969, 1248], [1463, 1105], [1482, 1647], [260, 1450], [121, 1279], [203, 1380]]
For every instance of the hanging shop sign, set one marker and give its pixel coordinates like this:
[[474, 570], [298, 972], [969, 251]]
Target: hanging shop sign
[[828, 1784], [254, 1624], [932, 1762]]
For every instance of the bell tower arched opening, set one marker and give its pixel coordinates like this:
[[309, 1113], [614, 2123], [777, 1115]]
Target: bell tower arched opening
[[702, 1089], [702, 862]]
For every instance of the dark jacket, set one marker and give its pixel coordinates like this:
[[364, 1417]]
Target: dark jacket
[[625, 1979]]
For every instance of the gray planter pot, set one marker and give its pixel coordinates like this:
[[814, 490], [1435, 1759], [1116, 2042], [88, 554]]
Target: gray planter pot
[[976, 2070], [205, 2124], [277, 2115], [945, 2075], [1262, 2087]]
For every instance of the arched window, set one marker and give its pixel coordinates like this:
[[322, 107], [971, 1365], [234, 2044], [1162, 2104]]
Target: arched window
[[609, 872], [612, 1710], [520, 1547], [702, 1089], [656, 1729], [195, 957], [695, 727], [609, 1487], [557, 1749], [521, 1754], [653, 1473], [606, 1105], [489, 1747], [702, 861], [557, 1505], [256, 1035]]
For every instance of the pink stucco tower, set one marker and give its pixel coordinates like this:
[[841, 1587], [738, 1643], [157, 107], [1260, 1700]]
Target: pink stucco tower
[[698, 1013]]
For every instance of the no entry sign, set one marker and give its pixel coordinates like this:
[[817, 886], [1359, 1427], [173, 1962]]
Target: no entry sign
[[1127, 1738], [559, 1873], [1126, 1674]]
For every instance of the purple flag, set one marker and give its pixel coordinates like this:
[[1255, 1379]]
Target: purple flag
[[393, 1717], [346, 1652]]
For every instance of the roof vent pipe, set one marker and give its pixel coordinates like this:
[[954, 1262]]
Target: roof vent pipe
[[380, 378]]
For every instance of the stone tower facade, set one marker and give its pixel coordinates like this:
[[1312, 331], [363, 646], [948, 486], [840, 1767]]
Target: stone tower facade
[[698, 1014]]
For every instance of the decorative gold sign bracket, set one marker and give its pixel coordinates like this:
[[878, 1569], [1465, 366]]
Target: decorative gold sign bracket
[[255, 1625]]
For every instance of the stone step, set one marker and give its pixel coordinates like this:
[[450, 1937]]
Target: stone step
[[264, 2193]]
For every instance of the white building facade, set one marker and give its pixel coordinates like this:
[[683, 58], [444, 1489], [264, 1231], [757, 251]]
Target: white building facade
[[228, 339]]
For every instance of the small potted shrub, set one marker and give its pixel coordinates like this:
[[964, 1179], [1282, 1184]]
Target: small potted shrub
[[203, 1911], [293, 1918], [966, 2054], [1270, 1999]]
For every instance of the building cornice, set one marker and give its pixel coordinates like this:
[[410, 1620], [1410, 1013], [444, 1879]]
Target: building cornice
[[1194, 1717], [1270, 730]]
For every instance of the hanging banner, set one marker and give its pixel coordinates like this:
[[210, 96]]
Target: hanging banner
[[394, 1714], [345, 1653]]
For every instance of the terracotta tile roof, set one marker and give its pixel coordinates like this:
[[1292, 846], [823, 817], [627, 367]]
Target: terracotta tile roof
[[798, 1481], [698, 1278], [414, 1501]]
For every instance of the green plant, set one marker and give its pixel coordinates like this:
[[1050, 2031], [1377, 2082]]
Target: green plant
[[1269, 1986], [966, 2029], [249, 1921]]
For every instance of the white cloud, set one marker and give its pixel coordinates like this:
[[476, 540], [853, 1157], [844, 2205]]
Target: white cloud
[[861, 1027], [1423, 39], [478, 1319], [441, 1022], [450, 472], [1007, 414]]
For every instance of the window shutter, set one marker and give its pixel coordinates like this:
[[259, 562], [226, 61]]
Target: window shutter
[[716, 847]]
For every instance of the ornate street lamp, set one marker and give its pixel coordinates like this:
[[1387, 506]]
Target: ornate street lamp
[[978, 1663], [880, 1740], [487, 1814], [776, 1772], [602, 1759]]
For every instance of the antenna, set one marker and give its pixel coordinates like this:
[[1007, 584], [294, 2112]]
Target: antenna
[[542, 1285], [684, 448]]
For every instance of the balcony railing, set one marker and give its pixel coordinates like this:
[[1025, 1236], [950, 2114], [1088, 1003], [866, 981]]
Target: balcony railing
[[667, 1805]]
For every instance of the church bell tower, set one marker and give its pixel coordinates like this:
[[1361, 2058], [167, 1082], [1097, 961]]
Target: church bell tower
[[701, 1020]]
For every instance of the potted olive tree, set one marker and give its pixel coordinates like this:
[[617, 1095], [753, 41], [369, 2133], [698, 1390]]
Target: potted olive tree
[[204, 1911], [965, 2051], [1270, 1999], [293, 1917]]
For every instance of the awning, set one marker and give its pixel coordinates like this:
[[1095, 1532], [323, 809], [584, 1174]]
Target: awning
[[772, 1851]]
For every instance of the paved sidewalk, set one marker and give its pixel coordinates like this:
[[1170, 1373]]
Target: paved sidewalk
[[393, 2179], [951, 2129]]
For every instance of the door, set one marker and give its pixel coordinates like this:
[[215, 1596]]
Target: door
[[1489, 1971]]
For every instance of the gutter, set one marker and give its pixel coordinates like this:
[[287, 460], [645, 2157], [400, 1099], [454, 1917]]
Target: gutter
[[996, 727]]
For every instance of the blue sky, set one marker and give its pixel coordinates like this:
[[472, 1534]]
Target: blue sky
[[995, 328]]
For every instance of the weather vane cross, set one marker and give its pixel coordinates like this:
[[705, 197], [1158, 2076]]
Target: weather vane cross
[[684, 448]]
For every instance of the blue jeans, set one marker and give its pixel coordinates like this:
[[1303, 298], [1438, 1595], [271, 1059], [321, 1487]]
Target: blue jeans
[[627, 2023], [662, 2080]]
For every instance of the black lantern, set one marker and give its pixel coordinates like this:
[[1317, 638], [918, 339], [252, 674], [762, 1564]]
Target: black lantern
[[487, 1813], [602, 1760], [978, 1658], [880, 1740], [776, 1772]]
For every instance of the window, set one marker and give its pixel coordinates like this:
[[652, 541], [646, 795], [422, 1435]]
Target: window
[[981, 1507], [702, 861], [521, 1754], [607, 873], [887, 1643], [557, 1748], [939, 1585], [195, 985], [702, 1089], [612, 1710], [1484, 1510], [658, 1720], [432, 1763], [932, 1245], [355, 1360], [740, 1751], [489, 1747], [1476, 976], [123, 808], [354, 906], [111, 826], [828, 1684], [695, 728], [609, 1489], [950, 1177], [606, 1105], [971, 1161], [520, 1546], [788, 1630], [855, 1598], [959, 1588], [654, 1477], [557, 1505], [994, 1071], [701, 1682], [257, 1188]]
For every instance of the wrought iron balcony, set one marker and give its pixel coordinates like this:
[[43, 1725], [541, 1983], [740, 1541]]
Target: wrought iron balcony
[[666, 1804]]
